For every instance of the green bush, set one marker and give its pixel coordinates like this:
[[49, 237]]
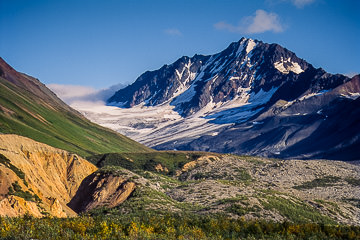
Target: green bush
[[353, 181], [294, 210], [318, 182], [169, 226], [171, 160], [7, 163], [16, 190]]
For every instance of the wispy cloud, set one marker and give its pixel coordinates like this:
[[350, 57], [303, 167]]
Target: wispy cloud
[[296, 3], [261, 22], [302, 3], [72, 94], [173, 32], [69, 92]]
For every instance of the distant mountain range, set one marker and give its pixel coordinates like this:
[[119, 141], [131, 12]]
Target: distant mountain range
[[252, 98]]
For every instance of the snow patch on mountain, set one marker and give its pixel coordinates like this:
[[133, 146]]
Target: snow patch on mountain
[[184, 84], [155, 125], [351, 95], [250, 46], [286, 66], [306, 96], [185, 94], [150, 125], [242, 108]]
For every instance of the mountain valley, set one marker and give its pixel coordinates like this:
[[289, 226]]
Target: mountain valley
[[179, 120], [258, 121]]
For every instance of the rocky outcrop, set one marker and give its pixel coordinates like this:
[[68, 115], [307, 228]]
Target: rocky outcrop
[[203, 160], [38, 179], [13, 206], [101, 189]]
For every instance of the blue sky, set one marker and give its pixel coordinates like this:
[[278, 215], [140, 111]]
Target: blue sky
[[99, 43]]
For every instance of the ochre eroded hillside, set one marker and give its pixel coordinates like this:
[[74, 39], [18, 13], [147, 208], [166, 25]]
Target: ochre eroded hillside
[[38, 179]]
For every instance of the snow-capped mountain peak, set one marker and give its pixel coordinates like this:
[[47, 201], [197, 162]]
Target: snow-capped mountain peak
[[192, 83], [252, 98]]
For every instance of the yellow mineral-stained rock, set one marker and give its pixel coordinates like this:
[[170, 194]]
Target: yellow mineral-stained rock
[[56, 208], [161, 168], [13, 206], [51, 174], [200, 161]]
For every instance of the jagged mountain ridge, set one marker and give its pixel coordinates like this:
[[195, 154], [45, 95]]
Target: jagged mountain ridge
[[244, 68], [252, 98]]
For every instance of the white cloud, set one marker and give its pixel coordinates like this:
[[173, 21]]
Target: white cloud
[[261, 22], [72, 94], [173, 32], [69, 92], [301, 3], [226, 26]]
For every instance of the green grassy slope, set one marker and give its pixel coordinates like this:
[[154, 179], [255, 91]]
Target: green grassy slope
[[34, 111]]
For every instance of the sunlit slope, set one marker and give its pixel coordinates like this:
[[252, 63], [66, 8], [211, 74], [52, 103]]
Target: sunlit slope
[[29, 109]]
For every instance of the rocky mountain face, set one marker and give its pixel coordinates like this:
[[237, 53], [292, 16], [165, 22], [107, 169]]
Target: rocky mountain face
[[101, 189], [252, 98], [323, 126]]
